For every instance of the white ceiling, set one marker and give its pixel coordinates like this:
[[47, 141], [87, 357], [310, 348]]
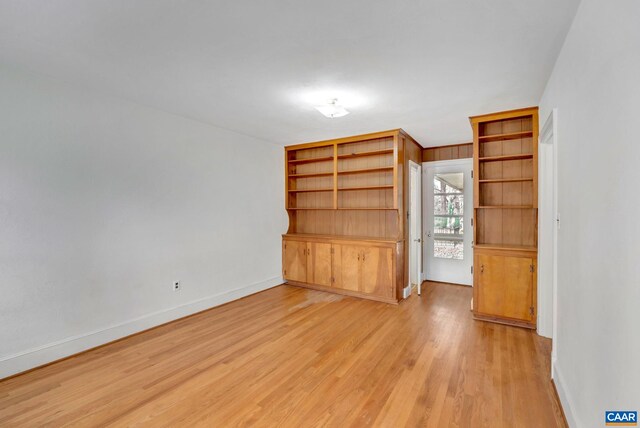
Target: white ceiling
[[256, 66]]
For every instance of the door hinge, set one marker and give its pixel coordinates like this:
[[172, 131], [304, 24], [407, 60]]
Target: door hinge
[[532, 268], [407, 215], [531, 311], [285, 272], [471, 269], [471, 173], [471, 221], [285, 246]]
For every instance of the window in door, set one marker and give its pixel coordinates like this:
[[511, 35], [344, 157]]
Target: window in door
[[448, 211]]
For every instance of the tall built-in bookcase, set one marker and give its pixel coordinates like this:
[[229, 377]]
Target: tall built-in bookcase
[[505, 156]]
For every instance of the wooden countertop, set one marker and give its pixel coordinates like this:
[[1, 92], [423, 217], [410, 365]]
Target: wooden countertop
[[341, 238]]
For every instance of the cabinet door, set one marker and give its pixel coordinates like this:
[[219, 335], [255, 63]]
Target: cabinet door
[[377, 271], [319, 263], [518, 277], [505, 286], [346, 266], [294, 260]]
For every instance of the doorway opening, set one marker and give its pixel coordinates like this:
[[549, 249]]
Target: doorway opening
[[447, 208]]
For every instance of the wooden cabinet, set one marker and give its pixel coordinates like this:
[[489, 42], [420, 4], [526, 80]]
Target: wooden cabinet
[[347, 267], [505, 158], [307, 262], [377, 271], [505, 286], [364, 269], [353, 267], [294, 260], [319, 263]]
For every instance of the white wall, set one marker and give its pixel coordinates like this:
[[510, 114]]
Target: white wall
[[596, 87], [103, 203]]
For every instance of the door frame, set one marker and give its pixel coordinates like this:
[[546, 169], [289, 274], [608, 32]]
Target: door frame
[[549, 223], [415, 214], [467, 165]]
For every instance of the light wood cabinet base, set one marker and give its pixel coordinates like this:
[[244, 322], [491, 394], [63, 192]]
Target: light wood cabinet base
[[360, 267], [343, 292], [504, 288], [506, 321]]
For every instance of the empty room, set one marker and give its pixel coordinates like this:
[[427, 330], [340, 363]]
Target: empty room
[[301, 214]]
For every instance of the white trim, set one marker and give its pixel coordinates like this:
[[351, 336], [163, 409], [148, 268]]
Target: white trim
[[548, 212], [406, 292], [22, 361], [430, 272], [418, 218], [565, 400]]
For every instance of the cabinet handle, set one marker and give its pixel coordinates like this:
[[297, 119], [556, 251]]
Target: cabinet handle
[[481, 268]]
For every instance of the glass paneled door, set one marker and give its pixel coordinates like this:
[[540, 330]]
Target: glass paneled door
[[447, 208]]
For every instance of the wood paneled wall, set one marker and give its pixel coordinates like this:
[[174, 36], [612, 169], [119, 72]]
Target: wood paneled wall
[[458, 151]]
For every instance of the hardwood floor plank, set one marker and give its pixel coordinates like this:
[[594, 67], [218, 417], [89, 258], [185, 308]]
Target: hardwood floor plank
[[298, 357]]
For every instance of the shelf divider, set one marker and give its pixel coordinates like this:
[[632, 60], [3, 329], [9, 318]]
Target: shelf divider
[[506, 157], [507, 136]]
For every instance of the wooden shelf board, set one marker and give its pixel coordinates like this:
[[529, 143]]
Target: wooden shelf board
[[346, 209], [390, 186], [506, 157], [505, 247], [310, 160], [313, 174], [367, 208], [520, 207], [310, 190], [302, 209], [361, 154], [344, 237], [504, 180], [508, 136], [365, 170]]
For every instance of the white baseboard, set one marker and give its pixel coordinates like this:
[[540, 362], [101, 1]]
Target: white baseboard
[[406, 292], [20, 362], [565, 399]]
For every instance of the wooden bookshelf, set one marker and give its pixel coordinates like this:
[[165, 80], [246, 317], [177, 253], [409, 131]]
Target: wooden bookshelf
[[344, 198], [505, 216]]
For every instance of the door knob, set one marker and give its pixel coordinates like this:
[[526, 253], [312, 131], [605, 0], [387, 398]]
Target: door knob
[[429, 234], [417, 240]]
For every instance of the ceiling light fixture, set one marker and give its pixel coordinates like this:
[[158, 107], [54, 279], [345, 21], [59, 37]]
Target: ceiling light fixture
[[332, 109]]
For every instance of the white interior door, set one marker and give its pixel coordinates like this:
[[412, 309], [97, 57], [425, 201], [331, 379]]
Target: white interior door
[[415, 225], [548, 224], [447, 211]]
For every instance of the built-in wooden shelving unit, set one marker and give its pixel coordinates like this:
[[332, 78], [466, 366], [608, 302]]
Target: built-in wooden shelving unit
[[506, 216], [345, 197]]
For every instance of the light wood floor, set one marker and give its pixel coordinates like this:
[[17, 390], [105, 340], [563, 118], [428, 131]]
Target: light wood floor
[[295, 357]]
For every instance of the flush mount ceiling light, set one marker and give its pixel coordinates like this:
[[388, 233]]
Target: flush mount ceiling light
[[332, 109]]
